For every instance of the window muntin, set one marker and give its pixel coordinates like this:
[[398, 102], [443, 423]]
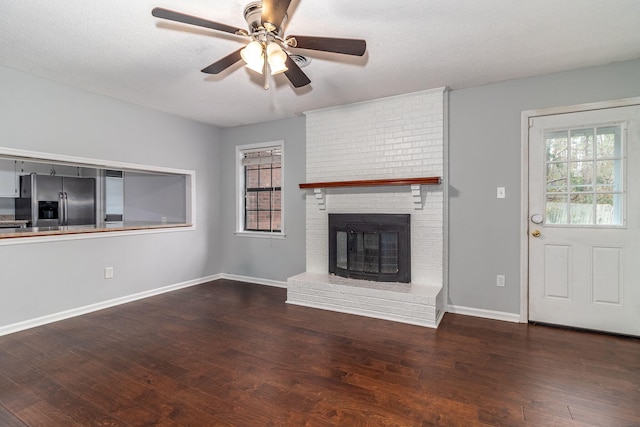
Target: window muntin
[[261, 182], [584, 170]]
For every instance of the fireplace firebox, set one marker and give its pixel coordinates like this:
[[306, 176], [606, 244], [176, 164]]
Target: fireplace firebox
[[370, 247]]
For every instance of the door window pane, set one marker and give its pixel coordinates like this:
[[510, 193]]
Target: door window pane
[[582, 209], [557, 177], [608, 142], [556, 209], [608, 175], [584, 170], [581, 176], [582, 144], [605, 212], [557, 146]]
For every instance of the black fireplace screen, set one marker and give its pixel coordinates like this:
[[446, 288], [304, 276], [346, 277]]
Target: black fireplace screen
[[370, 246]]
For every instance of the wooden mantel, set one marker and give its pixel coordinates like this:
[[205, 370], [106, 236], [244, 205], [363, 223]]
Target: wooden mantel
[[415, 183], [429, 180]]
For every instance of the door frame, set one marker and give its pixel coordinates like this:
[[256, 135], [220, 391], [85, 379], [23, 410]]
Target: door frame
[[525, 120]]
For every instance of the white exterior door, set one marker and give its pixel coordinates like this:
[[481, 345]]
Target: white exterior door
[[584, 219]]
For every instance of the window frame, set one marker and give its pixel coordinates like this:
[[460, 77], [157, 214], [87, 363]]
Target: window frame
[[241, 191]]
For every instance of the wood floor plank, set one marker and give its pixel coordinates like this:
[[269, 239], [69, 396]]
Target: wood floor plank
[[42, 413], [8, 419], [229, 353]]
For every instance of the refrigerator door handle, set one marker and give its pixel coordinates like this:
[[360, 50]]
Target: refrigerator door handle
[[66, 209], [61, 208]]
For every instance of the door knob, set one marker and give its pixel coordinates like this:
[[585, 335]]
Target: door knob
[[535, 233], [537, 219]]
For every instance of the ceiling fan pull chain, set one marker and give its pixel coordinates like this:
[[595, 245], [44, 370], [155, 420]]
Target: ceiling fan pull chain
[[266, 70]]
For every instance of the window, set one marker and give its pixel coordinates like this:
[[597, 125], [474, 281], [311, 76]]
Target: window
[[260, 188], [584, 176]]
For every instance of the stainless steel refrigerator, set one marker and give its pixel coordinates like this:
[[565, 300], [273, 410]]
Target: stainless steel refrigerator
[[50, 201]]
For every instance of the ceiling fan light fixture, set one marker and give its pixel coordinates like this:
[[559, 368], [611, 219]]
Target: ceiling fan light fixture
[[277, 68], [252, 55], [256, 66], [277, 58]]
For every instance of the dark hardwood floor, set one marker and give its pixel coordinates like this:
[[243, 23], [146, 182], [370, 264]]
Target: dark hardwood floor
[[234, 354]]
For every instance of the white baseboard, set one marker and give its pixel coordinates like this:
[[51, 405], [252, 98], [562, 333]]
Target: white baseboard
[[39, 321], [256, 280], [487, 314]]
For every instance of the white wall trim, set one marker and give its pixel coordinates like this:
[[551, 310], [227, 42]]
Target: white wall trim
[[39, 321], [256, 280], [526, 116], [445, 198], [487, 314], [524, 218]]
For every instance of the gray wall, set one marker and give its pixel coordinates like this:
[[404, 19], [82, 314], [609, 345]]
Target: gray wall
[[39, 279], [484, 153], [272, 259]]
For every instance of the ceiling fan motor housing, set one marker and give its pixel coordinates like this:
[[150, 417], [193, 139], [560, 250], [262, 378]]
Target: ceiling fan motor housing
[[253, 16]]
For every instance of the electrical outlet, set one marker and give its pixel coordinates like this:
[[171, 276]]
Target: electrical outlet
[[500, 280], [108, 272]]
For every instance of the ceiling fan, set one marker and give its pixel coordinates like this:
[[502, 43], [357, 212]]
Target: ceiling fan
[[267, 50]]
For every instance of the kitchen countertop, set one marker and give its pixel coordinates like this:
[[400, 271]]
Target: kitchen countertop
[[8, 233]]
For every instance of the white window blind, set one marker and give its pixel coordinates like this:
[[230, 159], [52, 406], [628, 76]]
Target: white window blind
[[262, 156]]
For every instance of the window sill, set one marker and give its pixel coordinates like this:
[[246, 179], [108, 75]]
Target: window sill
[[260, 234]]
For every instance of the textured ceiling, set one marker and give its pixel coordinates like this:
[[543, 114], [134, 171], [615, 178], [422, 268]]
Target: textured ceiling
[[118, 49]]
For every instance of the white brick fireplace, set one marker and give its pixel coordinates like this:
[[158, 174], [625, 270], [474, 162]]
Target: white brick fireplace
[[392, 138]]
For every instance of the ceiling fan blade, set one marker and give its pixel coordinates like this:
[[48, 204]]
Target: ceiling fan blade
[[224, 63], [355, 47], [159, 12], [274, 11], [295, 75]]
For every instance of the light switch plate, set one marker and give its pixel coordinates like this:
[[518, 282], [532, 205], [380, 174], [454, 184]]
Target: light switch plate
[[501, 194]]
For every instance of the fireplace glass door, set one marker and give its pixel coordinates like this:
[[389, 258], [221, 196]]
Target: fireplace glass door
[[369, 246], [367, 252]]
